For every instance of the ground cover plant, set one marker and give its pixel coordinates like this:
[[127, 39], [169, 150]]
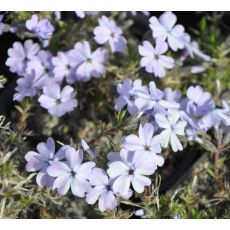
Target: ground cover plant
[[114, 115]]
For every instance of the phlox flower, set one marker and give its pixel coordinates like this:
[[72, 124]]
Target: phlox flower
[[153, 58], [40, 160], [27, 86], [198, 102], [41, 65], [88, 64], [41, 27], [127, 96], [164, 28], [192, 49], [133, 168], [62, 67], [145, 143], [20, 54], [101, 191], [82, 14], [71, 174], [57, 101], [172, 126], [153, 98], [108, 31]]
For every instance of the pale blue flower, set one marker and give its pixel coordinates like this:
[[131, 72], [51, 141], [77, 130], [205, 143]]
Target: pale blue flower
[[153, 58], [57, 101], [164, 28], [172, 127], [108, 31], [71, 174], [133, 169]]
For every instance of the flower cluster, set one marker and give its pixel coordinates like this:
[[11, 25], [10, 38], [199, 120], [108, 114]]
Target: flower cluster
[[40, 71], [166, 34], [171, 115], [128, 169], [42, 28], [51, 76]]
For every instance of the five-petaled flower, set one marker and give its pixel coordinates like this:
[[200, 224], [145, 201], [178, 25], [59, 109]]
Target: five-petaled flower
[[133, 168], [57, 101], [172, 126], [102, 190], [145, 143], [154, 59], [164, 28], [71, 174], [108, 31]]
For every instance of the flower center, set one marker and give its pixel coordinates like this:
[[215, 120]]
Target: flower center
[[131, 171], [72, 173], [88, 60], [146, 147], [156, 57], [58, 101]]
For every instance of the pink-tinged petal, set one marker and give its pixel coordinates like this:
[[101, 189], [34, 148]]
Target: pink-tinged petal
[[98, 177], [146, 133], [58, 168], [121, 185], [74, 158], [175, 143], [94, 194], [133, 142], [139, 182], [62, 184], [79, 187], [117, 168]]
